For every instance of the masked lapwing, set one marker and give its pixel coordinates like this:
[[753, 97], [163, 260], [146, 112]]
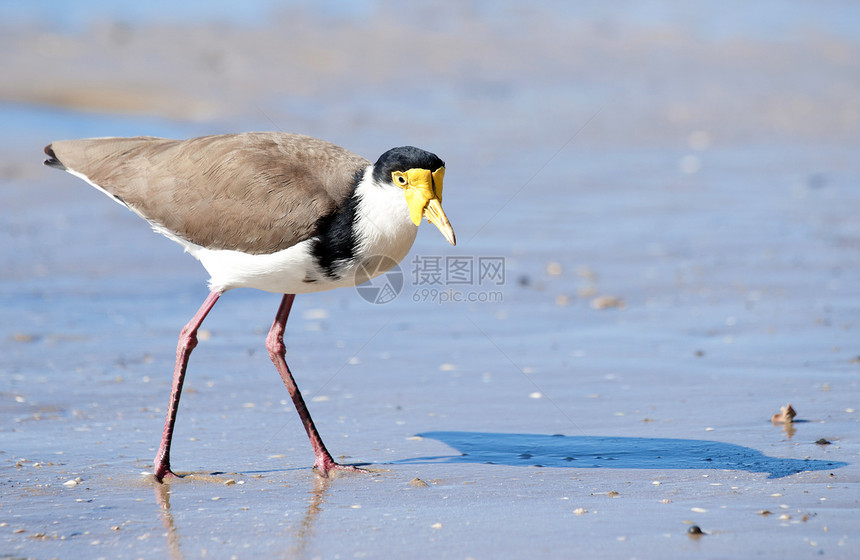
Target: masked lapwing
[[283, 213]]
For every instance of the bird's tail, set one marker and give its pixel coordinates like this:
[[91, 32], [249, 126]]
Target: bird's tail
[[52, 160]]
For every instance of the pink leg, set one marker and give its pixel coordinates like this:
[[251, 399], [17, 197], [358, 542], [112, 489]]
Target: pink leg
[[187, 342], [275, 344]]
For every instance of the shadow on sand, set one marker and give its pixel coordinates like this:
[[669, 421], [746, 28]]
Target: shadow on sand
[[613, 452]]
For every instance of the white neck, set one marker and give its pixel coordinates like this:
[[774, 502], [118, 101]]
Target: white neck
[[382, 222]]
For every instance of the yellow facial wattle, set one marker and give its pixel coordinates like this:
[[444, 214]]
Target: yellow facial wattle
[[423, 190]]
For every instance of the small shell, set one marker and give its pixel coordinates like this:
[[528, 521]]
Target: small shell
[[786, 415]]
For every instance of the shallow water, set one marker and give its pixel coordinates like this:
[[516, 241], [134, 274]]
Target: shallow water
[[674, 204]]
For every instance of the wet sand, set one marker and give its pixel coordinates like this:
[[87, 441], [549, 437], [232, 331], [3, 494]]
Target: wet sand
[[673, 194]]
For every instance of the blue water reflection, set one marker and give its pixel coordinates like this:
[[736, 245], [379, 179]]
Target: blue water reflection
[[78, 16], [710, 19]]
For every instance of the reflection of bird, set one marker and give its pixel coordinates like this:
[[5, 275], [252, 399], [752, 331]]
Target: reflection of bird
[[278, 212]]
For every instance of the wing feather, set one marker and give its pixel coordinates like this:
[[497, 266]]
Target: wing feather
[[253, 192]]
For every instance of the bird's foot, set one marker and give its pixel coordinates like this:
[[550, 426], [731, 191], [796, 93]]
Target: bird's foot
[[325, 466], [163, 471]]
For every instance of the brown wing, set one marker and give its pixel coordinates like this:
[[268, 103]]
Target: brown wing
[[254, 192]]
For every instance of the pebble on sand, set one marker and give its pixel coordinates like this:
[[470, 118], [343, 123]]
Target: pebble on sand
[[695, 531], [608, 302]]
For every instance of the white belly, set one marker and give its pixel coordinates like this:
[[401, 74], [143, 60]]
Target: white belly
[[291, 271]]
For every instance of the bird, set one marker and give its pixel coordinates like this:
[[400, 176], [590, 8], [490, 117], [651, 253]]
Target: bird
[[278, 212]]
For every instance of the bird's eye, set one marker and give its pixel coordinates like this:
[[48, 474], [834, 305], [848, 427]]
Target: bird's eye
[[400, 179]]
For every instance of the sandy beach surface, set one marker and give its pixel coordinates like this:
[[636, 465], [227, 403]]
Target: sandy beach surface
[[658, 248]]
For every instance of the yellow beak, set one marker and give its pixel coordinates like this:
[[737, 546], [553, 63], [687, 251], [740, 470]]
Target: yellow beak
[[436, 216], [424, 198]]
